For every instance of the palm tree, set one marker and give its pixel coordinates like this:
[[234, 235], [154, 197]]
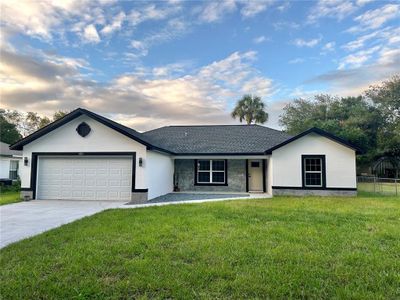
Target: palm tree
[[251, 109]]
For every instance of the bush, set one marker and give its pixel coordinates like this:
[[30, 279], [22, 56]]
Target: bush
[[15, 187]]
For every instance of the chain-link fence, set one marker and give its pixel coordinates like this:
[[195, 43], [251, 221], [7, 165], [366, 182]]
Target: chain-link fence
[[372, 184]]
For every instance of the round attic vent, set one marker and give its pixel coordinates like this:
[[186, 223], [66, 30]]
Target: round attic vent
[[83, 129]]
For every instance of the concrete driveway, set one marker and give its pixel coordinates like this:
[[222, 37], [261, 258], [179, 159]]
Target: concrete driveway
[[25, 219]]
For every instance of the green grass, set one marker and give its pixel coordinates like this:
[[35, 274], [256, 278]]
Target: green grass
[[381, 187], [7, 197], [320, 248]]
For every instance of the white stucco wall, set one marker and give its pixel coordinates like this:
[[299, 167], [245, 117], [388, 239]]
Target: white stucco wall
[[4, 167], [340, 162], [100, 139], [160, 174]]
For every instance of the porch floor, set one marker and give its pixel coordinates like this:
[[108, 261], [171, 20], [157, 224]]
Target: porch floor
[[188, 196]]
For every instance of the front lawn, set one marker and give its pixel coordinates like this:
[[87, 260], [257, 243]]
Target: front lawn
[[7, 197], [319, 248]]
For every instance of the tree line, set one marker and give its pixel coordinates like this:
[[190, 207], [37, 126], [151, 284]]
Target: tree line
[[15, 125], [371, 120]]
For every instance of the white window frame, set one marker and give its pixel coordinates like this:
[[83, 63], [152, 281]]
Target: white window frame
[[210, 171], [314, 172]]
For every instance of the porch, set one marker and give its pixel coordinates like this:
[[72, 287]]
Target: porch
[[221, 174]]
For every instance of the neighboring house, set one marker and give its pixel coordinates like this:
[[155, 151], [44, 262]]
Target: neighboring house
[[10, 161], [85, 156]]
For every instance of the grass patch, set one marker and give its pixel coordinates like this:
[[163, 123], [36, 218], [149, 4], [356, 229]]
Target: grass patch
[[7, 197], [386, 188], [274, 248]]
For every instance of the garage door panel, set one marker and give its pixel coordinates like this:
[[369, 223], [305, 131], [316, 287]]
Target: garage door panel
[[79, 172], [125, 183], [90, 172], [78, 182], [90, 182], [84, 178]]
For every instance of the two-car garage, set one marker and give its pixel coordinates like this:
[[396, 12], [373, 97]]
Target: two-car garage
[[85, 156], [84, 177]]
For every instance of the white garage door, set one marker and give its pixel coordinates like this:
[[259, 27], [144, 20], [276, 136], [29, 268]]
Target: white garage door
[[84, 178]]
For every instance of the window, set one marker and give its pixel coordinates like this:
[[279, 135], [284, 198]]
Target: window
[[314, 171], [13, 169], [255, 164], [210, 172]]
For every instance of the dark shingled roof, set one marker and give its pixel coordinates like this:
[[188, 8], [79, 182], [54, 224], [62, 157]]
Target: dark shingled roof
[[216, 139]]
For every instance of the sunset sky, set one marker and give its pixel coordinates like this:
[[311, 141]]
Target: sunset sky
[[149, 64]]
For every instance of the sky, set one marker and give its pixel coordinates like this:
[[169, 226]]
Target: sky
[[150, 64]]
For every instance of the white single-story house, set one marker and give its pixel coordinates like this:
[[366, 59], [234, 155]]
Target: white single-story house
[[10, 160], [85, 156]]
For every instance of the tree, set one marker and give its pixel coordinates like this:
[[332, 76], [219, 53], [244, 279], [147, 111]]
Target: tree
[[27, 123], [8, 131], [352, 118], [251, 109], [59, 114], [386, 99]]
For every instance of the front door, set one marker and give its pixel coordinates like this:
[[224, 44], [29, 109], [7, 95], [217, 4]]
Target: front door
[[255, 175]]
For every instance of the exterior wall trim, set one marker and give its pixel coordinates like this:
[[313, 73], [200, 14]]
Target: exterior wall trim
[[247, 175], [140, 190], [35, 156], [264, 176]]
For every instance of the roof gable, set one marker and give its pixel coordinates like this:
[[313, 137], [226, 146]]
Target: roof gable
[[322, 133], [133, 134]]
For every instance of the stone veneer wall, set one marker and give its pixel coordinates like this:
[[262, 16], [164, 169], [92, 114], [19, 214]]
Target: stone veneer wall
[[184, 169], [301, 192]]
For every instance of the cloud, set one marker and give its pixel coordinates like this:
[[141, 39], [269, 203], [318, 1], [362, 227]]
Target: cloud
[[90, 34], [46, 16], [259, 39], [389, 35], [357, 59], [174, 29], [258, 86], [45, 19], [152, 12], [306, 43], [296, 61], [47, 83], [363, 2], [284, 6], [329, 47], [115, 25], [337, 9], [286, 25], [353, 81], [373, 19], [252, 8], [215, 11]]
